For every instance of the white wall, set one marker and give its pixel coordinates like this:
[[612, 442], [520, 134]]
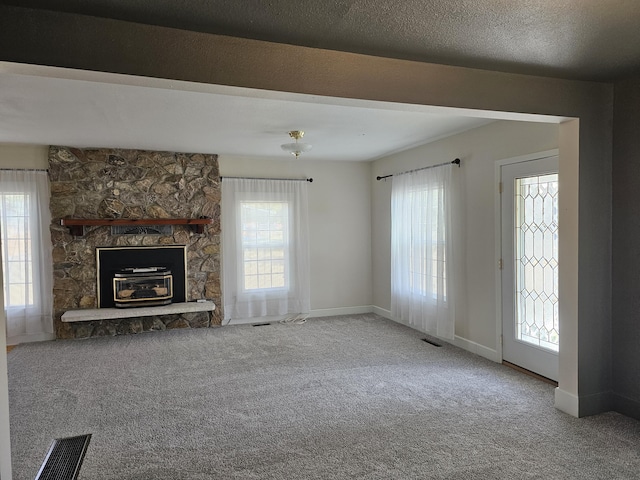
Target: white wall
[[478, 149], [339, 223], [24, 156]]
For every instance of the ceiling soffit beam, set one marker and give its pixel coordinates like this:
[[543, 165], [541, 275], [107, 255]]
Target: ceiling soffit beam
[[81, 42]]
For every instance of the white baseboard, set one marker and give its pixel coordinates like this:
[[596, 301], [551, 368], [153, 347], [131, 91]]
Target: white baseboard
[[584, 405], [473, 347], [460, 342], [382, 312], [322, 312], [567, 402], [36, 337], [330, 312]]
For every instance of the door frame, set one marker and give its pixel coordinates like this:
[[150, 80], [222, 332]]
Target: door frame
[[498, 232]]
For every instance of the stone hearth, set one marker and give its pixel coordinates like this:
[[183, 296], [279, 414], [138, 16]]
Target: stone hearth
[[105, 183]]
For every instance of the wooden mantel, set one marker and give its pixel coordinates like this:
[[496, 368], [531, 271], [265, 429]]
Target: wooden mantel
[[76, 225]]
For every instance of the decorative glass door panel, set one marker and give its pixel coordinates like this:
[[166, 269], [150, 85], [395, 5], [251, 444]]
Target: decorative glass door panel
[[536, 260]]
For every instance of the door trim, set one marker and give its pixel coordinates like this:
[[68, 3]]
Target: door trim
[[497, 208]]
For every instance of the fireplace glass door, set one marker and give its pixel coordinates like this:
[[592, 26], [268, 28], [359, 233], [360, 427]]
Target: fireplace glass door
[[146, 286]]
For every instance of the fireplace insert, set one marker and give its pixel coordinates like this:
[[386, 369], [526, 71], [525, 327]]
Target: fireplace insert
[[142, 286], [117, 263]]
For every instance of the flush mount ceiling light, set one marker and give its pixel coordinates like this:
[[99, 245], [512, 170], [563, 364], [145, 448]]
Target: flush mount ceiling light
[[296, 148]]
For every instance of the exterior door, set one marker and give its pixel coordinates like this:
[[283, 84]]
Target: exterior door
[[530, 326]]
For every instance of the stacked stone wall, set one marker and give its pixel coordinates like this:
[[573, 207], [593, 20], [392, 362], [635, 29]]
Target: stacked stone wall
[[107, 183]]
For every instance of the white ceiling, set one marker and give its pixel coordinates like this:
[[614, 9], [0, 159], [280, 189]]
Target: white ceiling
[[45, 105]]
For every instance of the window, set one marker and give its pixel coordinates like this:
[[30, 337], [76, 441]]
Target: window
[[17, 265], [423, 221], [265, 245], [265, 261], [26, 255]]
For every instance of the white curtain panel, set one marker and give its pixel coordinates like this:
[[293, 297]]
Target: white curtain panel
[[265, 248], [426, 239], [26, 255]]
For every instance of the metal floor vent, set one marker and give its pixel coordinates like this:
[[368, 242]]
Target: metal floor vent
[[432, 342], [64, 458], [260, 324]]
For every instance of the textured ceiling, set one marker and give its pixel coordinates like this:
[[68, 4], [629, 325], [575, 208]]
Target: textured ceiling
[[578, 39], [96, 109]]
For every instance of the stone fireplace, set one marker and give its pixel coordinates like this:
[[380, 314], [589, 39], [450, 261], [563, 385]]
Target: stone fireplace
[[133, 184]]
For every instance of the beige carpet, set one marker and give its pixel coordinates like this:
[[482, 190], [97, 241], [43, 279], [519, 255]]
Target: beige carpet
[[354, 397]]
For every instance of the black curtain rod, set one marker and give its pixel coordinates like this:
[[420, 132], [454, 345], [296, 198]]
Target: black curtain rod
[[454, 162], [286, 179]]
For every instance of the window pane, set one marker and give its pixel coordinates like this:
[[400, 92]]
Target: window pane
[[251, 268], [16, 272], [264, 281], [14, 205], [264, 266], [14, 227], [250, 282], [277, 281], [249, 237], [15, 250], [17, 294]]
